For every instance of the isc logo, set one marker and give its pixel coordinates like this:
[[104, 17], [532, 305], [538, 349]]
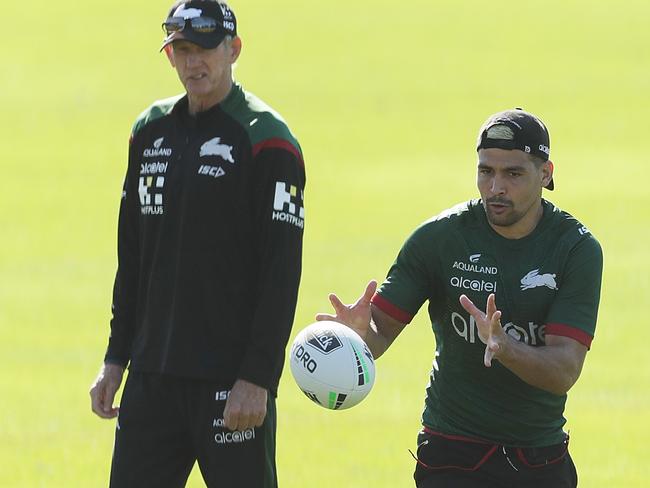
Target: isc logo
[[221, 395]]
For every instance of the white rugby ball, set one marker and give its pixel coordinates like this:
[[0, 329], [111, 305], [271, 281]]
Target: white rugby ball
[[332, 365]]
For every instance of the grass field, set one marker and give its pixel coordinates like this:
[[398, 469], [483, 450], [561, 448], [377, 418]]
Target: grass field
[[386, 99]]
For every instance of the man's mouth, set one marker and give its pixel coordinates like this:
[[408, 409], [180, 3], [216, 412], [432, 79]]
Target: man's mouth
[[498, 206]]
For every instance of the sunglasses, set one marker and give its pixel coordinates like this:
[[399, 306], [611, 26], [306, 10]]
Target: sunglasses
[[202, 25]]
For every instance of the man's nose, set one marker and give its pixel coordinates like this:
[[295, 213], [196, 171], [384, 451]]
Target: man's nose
[[497, 187]]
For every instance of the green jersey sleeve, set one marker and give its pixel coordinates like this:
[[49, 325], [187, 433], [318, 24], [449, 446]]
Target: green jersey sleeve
[[574, 310], [410, 279]]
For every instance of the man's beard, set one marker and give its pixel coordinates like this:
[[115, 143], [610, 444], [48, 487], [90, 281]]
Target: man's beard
[[509, 217]]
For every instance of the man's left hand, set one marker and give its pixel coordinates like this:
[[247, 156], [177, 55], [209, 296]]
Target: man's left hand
[[246, 406], [489, 327]]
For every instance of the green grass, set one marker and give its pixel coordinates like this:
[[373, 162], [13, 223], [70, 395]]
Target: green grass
[[386, 99]]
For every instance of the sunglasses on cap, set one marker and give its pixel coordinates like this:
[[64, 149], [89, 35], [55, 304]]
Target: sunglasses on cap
[[202, 25]]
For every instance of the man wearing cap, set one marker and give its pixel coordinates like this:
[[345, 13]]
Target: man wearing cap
[[209, 248], [513, 285]]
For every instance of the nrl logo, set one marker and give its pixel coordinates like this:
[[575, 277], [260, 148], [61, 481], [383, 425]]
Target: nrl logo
[[326, 342], [534, 279]]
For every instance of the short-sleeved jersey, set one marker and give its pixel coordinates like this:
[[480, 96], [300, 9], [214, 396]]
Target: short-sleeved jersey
[[545, 283]]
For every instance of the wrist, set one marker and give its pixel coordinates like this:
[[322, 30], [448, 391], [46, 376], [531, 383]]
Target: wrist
[[506, 349], [108, 365]]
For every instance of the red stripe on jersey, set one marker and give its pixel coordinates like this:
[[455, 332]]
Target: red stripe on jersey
[[579, 335], [277, 143], [387, 307]]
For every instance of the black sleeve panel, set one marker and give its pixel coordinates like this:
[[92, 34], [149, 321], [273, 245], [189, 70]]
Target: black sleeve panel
[[125, 289], [279, 222]]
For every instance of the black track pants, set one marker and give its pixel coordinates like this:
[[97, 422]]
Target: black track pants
[[165, 424], [452, 462]]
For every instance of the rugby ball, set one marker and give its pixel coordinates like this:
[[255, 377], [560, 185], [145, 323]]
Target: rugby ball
[[332, 365]]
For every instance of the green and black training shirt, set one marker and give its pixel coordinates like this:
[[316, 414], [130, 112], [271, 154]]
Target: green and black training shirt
[[210, 242], [545, 283]]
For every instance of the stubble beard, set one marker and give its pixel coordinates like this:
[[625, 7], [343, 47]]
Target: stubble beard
[[506, 219]]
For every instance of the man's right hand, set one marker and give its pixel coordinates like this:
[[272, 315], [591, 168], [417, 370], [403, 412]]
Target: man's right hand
[[376, 328], [103, 390], [356, 316]]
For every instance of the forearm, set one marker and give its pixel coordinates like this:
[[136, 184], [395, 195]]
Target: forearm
[[382, 332], [278, 182], [123, 320], [376, 342], [554, 367], [125, 288], [274, 310]]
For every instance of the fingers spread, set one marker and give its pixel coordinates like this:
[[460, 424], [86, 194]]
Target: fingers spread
[[495, 321], [368, 293], [336, 303], [487, 358], [326, 316], [469, 306]]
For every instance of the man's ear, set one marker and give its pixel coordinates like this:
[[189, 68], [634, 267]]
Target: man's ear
[[235, 49], [169, 51], [547, 173]]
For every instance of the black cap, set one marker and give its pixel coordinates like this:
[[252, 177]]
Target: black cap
[[516, 129], [187, 10]]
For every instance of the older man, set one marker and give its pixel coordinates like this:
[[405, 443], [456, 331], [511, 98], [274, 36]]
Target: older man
[[209, 247]]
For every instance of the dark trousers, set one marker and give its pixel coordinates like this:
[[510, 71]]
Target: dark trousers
[[165, 424], [454, 462]]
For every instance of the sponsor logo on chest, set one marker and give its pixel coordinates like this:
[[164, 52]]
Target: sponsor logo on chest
[[531, 334], [472, 283], [153, 168], [214, 147], [214, 171], [150, 190], [534, 279], [473, 267], [157, 150], [152, 180]]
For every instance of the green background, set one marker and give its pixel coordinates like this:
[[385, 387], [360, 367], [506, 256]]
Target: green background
[[386, 99]]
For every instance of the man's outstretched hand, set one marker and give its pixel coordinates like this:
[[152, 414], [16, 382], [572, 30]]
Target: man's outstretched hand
[[356, 316], [489, 327]]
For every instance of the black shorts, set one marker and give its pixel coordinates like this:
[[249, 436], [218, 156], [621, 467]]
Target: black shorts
[[165, 424], [445, 461]]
